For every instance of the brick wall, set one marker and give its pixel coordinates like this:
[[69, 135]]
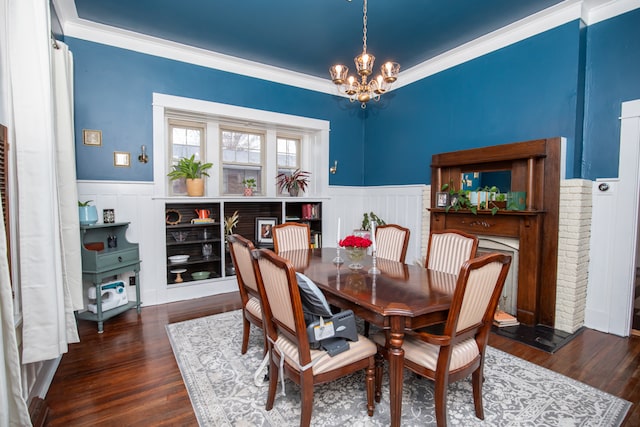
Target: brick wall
[[574, 234]]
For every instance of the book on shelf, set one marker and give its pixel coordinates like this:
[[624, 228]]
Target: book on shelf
[[292, 218], [310, 211], [502, 319], [316, 239], [203, 221]]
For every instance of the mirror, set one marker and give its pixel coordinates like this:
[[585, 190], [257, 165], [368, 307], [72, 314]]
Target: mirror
[[474, 180]]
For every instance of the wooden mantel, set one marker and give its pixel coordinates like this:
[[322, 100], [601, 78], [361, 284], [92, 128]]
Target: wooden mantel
[[535, 168]]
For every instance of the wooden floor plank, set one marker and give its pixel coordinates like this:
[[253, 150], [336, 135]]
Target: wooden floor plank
[[128, 374]]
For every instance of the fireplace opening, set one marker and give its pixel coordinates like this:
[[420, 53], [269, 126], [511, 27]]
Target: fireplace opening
[[508, 246]]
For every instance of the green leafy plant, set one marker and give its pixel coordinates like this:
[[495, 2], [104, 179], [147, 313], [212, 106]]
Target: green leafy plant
[[249, 183], [367, 218], [189, 168], [299, 179], [459, 199], [84, 204]]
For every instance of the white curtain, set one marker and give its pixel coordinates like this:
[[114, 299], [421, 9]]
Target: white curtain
[[50, 271]]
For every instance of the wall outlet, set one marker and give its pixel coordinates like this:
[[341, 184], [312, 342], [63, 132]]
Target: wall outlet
[[132, 281]]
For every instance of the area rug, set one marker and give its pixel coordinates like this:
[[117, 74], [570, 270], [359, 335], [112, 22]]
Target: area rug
[[221, 385]]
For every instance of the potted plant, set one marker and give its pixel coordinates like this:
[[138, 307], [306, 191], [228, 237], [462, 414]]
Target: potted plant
[[192, 171], [294, 183], [88, 214], [230, 222], [249, 185], [459, 199], [367, 218]]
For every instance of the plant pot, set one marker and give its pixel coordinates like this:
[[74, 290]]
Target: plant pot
[[248, 191], [88, 215], [195, 187], [294, 191]]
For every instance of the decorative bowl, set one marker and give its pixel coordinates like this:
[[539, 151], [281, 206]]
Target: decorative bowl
[[178, 259], [200, 275], [180, 236]]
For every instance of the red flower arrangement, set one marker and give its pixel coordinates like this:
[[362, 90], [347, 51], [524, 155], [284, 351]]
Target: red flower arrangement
[[355, 242]]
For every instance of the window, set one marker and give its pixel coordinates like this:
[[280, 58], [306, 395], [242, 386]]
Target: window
[[288, 158], [242, 143], [241, 159], [186, 139]]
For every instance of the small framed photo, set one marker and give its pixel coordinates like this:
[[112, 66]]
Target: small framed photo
[[442, 199], [264, 230], [92, 137], [121, 159]]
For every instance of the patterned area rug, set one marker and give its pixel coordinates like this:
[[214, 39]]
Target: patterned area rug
[[221, 386]]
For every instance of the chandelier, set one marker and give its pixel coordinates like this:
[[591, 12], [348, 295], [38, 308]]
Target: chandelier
[[364, 90]]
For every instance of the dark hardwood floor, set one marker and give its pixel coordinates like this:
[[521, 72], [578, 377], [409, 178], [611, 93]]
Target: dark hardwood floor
[[128, 375]]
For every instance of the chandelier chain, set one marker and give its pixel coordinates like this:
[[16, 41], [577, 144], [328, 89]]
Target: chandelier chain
[[364, 27]]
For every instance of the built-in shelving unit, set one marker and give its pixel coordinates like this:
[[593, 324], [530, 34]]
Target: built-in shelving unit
[[180, 217], [186, 234]]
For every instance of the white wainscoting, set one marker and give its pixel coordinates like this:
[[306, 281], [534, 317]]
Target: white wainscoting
[[134, 202], [400, 205]]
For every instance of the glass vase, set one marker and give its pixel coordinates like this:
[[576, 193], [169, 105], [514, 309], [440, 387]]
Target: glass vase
[[356, 255]]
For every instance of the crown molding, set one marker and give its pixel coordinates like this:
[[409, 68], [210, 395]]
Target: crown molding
[[590, 11], [104, 34], [530, 26], [610, 9]]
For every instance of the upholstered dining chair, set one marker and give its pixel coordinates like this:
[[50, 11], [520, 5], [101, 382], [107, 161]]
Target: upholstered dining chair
[[290, 236], [240, 249], [449, 249], [392, 242], [289, 349], [460, 349]]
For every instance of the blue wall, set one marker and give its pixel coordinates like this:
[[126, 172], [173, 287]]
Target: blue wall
[[114, 89], [613, 76], [530, 90], [521, 92]]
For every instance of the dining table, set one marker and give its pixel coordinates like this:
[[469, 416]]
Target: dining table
[[399, 299]]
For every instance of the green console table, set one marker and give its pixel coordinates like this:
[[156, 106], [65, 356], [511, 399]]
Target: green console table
[[105, 254]]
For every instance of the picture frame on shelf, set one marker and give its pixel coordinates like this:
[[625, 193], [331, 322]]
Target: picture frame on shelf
[[264, 230], [442, 199]]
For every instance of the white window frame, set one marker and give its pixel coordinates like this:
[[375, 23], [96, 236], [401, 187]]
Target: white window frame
[[263, 148], [183, 123], [314, 155]]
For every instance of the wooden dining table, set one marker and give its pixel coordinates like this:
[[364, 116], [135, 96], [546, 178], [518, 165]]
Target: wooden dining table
[[400, 298]]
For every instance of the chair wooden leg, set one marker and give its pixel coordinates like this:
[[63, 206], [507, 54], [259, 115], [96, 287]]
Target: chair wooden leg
[[306, 390], [441, 403], [477, 379], [273, 382], [245, 335], [370, 380], [379, 365]]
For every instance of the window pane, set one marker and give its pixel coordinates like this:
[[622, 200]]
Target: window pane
[[242, 159], [288, 149], [186, 141]]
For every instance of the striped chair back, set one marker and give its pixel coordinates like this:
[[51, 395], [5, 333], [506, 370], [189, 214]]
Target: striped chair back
[[449, 249], [392, 242], [291, 236]]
